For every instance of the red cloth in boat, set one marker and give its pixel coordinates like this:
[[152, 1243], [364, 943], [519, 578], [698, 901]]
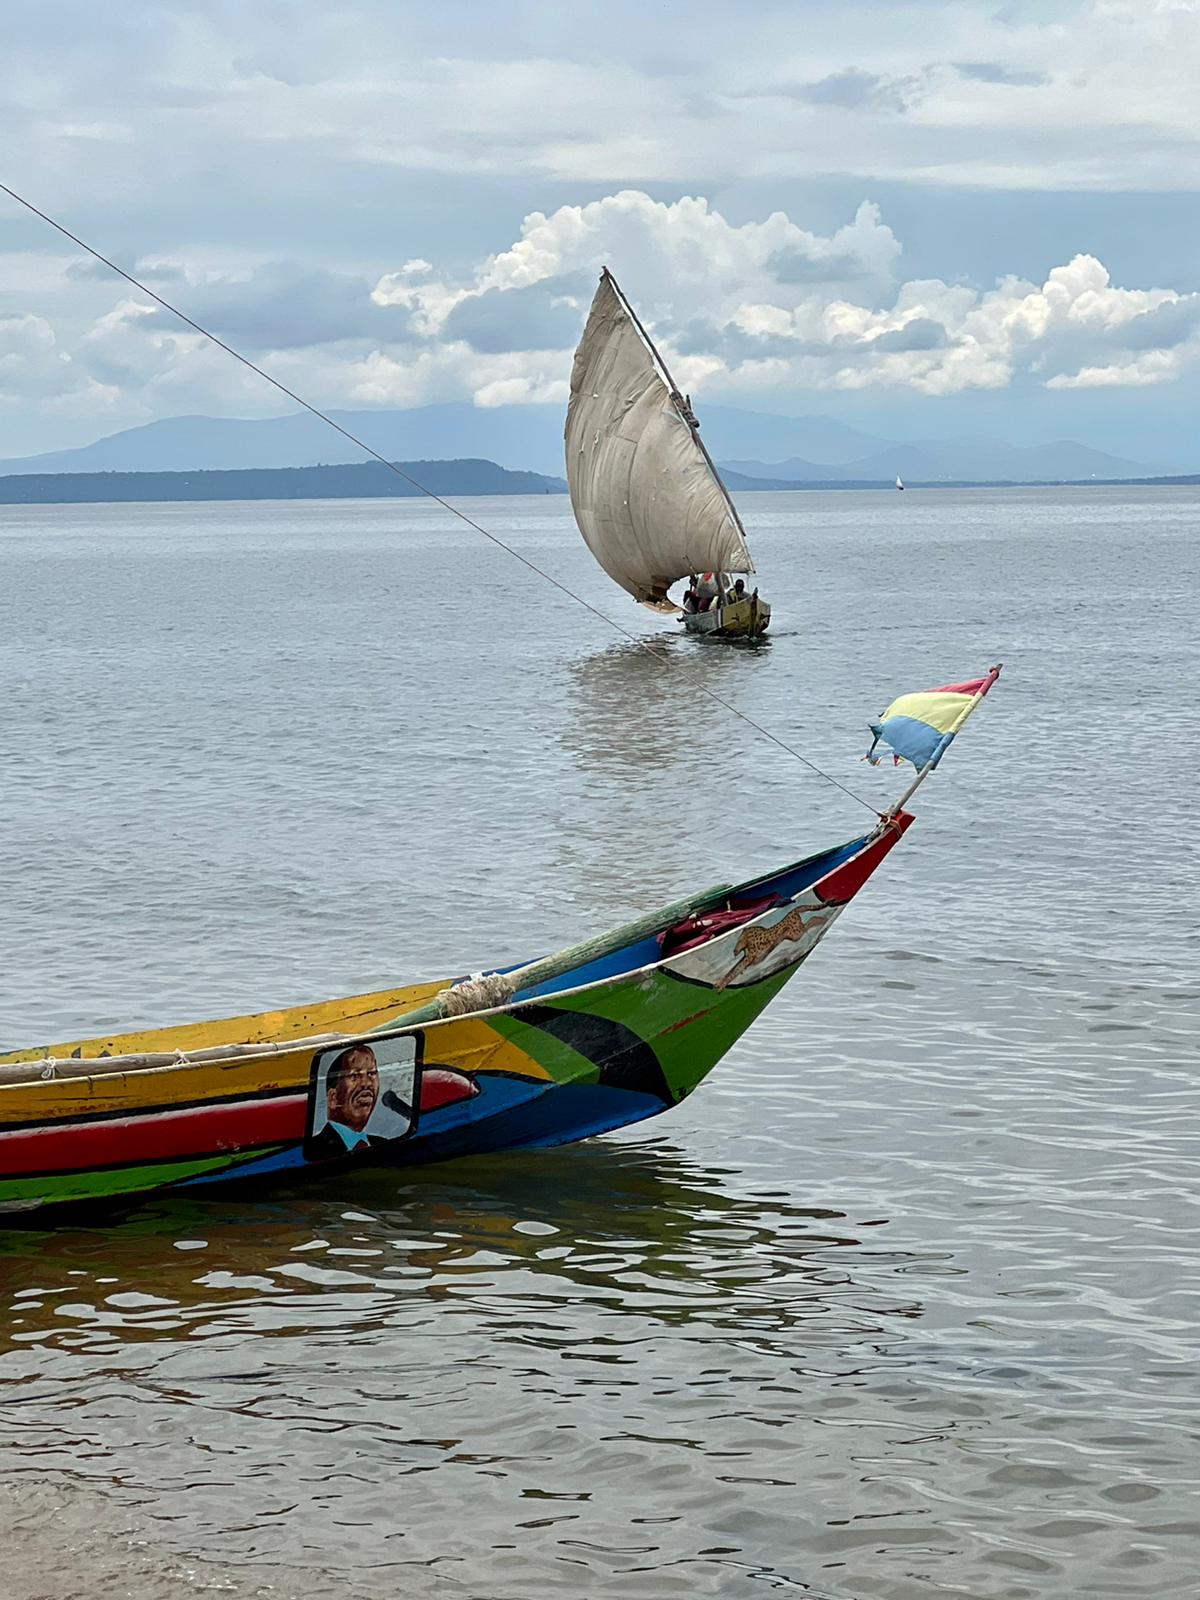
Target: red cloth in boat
[[703, 926]]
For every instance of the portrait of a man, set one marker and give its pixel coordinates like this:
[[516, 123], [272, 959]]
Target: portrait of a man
[[361, 1101]]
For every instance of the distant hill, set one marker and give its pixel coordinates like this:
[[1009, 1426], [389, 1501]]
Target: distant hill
[[757, 444], [956, 460], [505, 435], [520, 437], [368, 480], [449, 479], [744, 485]]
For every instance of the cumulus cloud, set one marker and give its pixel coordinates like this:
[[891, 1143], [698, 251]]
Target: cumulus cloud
[[35, 370], [769, 305], [755, 309], [667, 247]]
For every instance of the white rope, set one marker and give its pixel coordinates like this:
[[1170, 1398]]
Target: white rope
[[478, 993], [143, 1060]]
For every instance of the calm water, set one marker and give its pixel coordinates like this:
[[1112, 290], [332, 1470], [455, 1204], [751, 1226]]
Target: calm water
[[902, 1304]]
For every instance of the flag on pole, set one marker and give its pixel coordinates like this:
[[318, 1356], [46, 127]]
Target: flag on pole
[[919, 727]]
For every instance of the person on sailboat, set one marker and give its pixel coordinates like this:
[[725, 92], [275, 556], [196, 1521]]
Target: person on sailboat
[[690, 602], [738, 592]]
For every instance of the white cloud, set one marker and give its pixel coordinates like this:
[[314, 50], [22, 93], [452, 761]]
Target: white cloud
[[669, 246], [754, 310], [674, 256], [36, 371], [770, 305], [152, 100], [1159, 366]]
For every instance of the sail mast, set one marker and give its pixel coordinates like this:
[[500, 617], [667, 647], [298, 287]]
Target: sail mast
[[682, 405]]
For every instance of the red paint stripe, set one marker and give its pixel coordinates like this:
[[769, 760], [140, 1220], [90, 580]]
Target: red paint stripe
[[844, 882], [684, 1022], [444, 1086], [159, 1136]]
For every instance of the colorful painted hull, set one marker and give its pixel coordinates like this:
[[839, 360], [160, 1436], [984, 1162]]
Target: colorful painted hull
[[617, 1039]]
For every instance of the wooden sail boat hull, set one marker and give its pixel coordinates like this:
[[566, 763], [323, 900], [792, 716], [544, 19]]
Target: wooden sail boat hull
[[617, 1039], [741, 619]]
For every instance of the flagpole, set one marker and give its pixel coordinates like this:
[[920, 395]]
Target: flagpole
[[894, 810]]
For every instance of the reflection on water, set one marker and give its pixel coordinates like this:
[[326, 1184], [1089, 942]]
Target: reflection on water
[[647, 755], [617, 1215], [627, 711], [569, 1349]]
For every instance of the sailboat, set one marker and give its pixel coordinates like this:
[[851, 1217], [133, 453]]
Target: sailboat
[[899, 481], [647, 496]]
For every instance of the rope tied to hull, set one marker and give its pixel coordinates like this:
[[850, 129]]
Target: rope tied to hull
[[482, 992]]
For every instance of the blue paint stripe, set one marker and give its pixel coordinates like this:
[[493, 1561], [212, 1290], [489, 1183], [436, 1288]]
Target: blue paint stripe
[[627, 959]]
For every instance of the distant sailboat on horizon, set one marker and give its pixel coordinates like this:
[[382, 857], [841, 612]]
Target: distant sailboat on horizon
[[899, 482]]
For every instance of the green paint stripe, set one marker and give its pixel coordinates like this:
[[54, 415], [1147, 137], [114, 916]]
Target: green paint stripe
[[49, 1190], [650, 1007], [561, 1060], [689, 1055]]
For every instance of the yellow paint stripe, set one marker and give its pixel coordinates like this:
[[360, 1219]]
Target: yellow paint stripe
[[474, 1046], [353, 1014], [45, 1099], [469, 1045]]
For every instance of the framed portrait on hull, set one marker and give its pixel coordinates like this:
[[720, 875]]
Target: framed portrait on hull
[[363, 1096]]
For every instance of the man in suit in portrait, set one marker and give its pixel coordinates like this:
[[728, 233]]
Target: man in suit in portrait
[[351, 1093]]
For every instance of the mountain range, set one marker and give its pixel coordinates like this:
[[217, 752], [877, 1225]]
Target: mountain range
[[753, 444], [954, 460]]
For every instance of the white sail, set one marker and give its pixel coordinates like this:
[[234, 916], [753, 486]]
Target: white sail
[[645, 494]]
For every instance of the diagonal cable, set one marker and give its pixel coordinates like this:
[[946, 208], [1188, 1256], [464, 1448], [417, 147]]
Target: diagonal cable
[[420, 487]]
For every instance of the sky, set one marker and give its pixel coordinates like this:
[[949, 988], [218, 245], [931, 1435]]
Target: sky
[[926, 218]]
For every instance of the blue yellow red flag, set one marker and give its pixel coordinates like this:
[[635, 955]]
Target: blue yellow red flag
[[919, 727]]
